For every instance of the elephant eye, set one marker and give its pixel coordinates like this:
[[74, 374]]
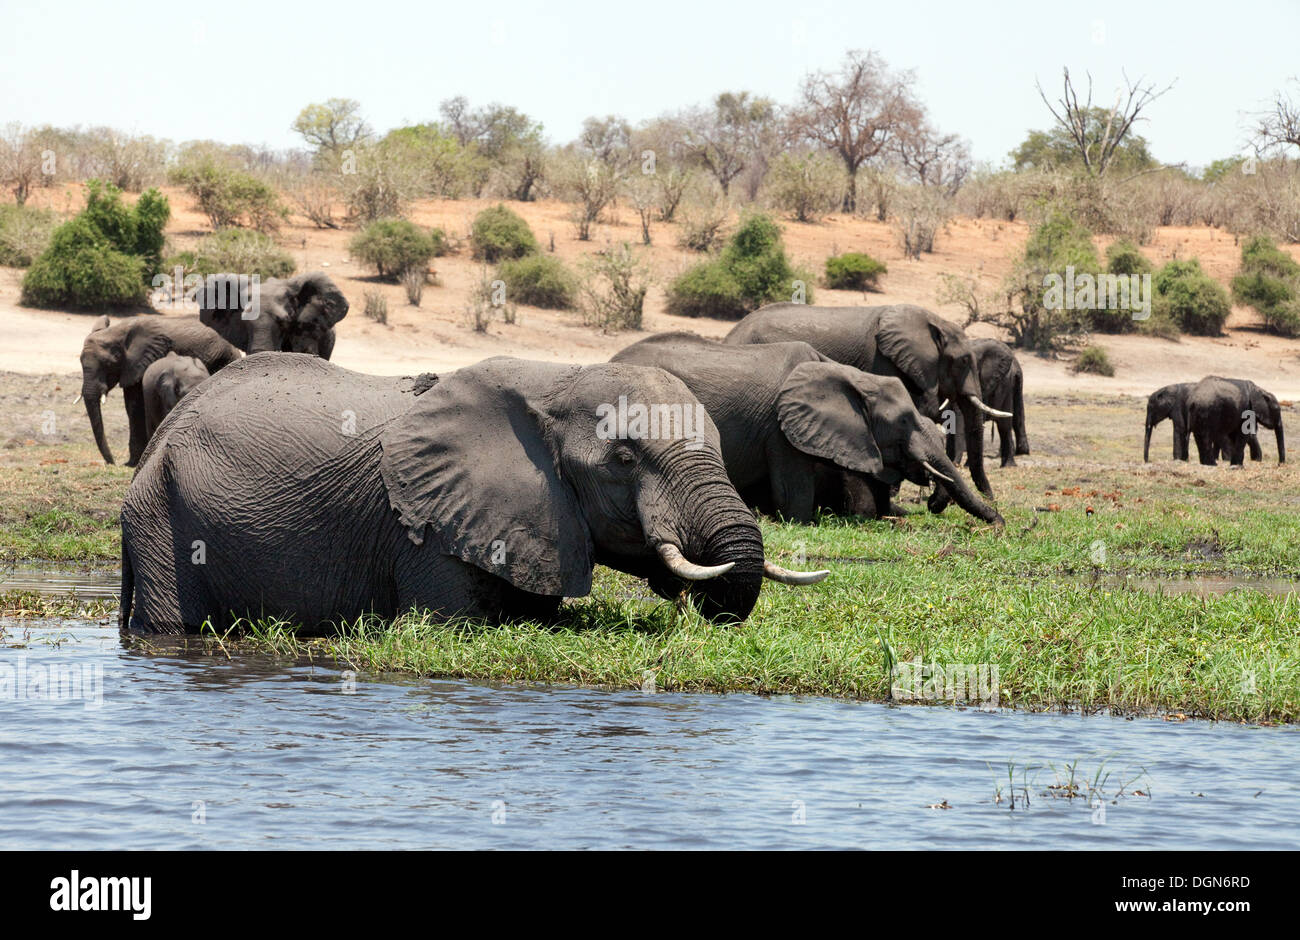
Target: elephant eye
[[624, 456]]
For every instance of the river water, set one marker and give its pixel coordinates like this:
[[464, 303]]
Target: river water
[[107, 745]]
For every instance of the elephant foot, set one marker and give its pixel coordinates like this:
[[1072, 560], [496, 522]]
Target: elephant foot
[[1009, 462]]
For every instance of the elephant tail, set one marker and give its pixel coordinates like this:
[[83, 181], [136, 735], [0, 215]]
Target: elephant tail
[[127, 592]]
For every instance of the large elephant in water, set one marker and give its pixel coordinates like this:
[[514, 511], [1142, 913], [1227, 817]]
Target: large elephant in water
[[1224, 415], [119, 353], [793, 423], [297, 314], [1170, 401], [289, 487], [931, 356], [1002, 386]]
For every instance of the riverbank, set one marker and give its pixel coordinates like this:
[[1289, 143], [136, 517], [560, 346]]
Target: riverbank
[[1082, 601]]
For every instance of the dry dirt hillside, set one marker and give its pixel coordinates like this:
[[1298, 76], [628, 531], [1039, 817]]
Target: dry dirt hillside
[[436, 337]]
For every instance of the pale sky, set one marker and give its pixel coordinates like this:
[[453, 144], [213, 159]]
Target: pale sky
[[240, 71]]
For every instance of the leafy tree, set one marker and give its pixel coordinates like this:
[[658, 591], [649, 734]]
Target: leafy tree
[[332, 127]]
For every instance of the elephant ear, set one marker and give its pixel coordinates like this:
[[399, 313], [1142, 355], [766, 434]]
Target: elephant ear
[[1260, 404], [825, 413], [316, 295], [142, 350], [913, 344], [470, 467]]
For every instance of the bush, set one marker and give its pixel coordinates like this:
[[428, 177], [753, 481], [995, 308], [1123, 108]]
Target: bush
[[613, 289], [853, 271], [919, 213], [393, 247], [807, 186], [752, 270], [500, 234], [1190, 298], [540, 281], [104, 257], [230, 197], [1124, 260], [1041, 323], [1269, 281], [24, 234], [703, 228], [1123, 257], [1093, 359], [234, 251], [376, 307]]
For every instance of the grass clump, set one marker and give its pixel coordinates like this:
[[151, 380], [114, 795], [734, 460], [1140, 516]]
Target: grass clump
[[24, 234], [539, 281], [1095, 360]]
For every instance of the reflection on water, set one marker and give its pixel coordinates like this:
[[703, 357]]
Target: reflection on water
[[87, 583], [182, 749]]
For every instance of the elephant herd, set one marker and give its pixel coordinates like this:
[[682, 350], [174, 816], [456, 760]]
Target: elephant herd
[[277, 484], [1223, 415]]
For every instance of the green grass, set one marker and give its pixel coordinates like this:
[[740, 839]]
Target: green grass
[[1043, 599]]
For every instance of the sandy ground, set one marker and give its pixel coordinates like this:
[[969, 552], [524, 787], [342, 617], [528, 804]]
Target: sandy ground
[[436, 336]]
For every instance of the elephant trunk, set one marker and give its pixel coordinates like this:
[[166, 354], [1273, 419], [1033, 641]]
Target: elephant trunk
[[954, 489], [718, 556], [91, 393], [973, 417], [1146, 444], [1281, 442], [1018, 409]]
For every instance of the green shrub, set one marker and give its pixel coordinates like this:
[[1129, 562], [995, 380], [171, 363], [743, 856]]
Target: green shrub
[[1269, 281], [1123, 257], [1124, 260], [1095, 360], [104, 257], [393, 246], [1043, 321], [539, 281], [500, 234], [853, 271], [24, 234], [752, 270], [230, 197], [234, 251], [1190, 298], [807, 186]]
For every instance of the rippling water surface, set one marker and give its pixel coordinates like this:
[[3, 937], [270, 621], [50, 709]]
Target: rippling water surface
[[189, 750]]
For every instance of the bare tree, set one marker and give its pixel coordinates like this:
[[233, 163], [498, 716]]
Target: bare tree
[[726, 139], [857, 112], [933, 159], [1279, 127], [1097, 133], [20, 161]]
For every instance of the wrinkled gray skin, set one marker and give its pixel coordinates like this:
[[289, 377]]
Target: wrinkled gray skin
[[293, 315], [165, 383], [1171, 402], [119, 353], [931, 356], [1002, 384], [1216, 413], [488, 493], [793, 422]]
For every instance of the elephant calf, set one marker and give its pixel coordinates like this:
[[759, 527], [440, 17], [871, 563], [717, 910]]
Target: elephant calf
[[1224, 415], [120, 353], [166, 382], [289, 487], [800, 431], [1170, 402]]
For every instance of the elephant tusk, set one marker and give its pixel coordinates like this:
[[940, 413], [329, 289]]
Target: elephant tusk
[[944, 405], [77, 399], [934, 472], [987, 410], [785, 576], [678, 565]]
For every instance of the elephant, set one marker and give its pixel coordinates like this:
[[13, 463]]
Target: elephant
[[286, 486], [1222, 415], [1170, 401], [1002, 384], [785, 412], [120, 353], [293, 315], [931, 356], [166, 382]]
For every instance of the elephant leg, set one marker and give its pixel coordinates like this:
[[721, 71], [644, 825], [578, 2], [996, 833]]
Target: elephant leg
[[792, 483], [1255, 452], [1006, 445], [1181, 434], [1236, 445], [133, 395], [956, 441], [861, 497], [1206, 447]]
